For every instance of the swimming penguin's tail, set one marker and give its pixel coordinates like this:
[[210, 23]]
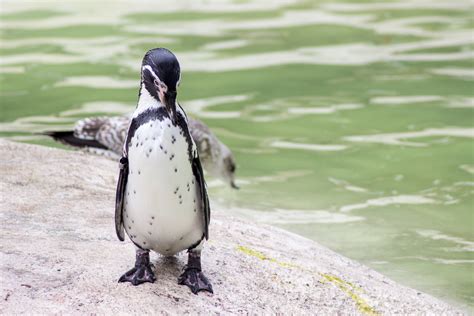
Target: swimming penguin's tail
[[68, 138]]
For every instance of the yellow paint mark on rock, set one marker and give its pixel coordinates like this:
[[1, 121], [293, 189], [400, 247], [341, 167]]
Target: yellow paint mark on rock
[[344, 286], [261, 256], [349, 289], [253, 253]]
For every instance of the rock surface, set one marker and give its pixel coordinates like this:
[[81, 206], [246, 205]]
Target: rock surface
[[59, 254]]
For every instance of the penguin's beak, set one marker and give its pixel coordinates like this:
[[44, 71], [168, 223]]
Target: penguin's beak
[[170, 104]]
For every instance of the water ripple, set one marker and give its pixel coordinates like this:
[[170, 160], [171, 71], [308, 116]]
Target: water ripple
[[98, 82], [395, 100], [389, 200], [303, 146], [396, 138]]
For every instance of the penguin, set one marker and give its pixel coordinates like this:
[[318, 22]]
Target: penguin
[[161, 199], [104, 135]]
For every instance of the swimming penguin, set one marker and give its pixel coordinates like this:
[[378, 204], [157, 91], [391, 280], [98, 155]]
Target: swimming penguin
[[161, 199], [105, 135]]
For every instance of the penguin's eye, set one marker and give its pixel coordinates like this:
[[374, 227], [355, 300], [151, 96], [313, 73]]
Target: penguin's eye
[[160, 85]]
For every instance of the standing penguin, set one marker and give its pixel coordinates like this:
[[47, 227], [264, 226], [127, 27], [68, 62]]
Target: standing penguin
[[161, 198]]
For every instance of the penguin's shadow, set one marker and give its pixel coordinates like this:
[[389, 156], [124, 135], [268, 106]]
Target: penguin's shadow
[[172, 265]]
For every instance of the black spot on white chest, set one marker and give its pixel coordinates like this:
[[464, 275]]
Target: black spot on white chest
[[155, 124]]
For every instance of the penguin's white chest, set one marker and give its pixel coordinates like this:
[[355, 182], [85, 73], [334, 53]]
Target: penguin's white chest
[[161, 200]]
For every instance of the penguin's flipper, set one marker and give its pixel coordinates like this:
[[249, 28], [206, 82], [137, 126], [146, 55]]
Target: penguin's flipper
[[119, 198], [205, 208]]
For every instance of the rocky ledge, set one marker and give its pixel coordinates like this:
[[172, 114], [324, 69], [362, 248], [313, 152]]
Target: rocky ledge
[[59, 254]]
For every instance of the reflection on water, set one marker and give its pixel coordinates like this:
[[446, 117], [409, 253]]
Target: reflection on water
[[462, 73], [396, 138], [314, 147], [302, 217], [405, 99], [96, 82], [324, 110], [351, 122], [461, 244], [388, 200]]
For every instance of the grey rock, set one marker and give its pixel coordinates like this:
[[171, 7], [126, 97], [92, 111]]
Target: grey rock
[[59, 254]]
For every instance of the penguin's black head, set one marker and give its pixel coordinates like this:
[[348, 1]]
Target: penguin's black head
[[161, 75]]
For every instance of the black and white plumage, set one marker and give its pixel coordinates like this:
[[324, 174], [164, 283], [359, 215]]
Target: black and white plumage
[[161, 199], [105, 135]]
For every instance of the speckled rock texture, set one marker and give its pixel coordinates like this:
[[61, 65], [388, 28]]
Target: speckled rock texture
[[59, 254]]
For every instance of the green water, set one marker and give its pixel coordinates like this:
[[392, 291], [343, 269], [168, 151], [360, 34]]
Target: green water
[[352, 122]]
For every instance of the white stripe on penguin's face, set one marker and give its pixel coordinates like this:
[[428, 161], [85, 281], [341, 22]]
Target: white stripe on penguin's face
[[159, 84]]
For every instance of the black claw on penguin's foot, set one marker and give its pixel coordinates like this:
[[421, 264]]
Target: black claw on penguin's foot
[[138, 275], [195, 280]]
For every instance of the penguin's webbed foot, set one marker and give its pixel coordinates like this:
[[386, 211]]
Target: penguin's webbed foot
[[195, 280], [138, 275], [142, 272], [192, 275]]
